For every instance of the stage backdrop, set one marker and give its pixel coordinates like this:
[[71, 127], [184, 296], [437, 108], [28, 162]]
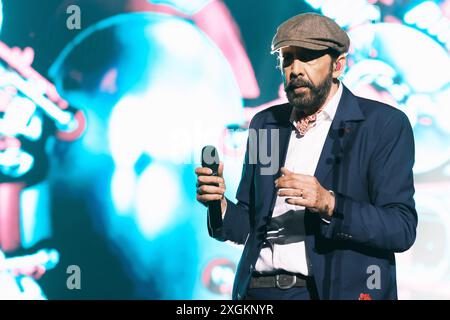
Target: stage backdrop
[[157, 80]]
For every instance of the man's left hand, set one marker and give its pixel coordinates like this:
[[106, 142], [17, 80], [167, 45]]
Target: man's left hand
[[306, 191]]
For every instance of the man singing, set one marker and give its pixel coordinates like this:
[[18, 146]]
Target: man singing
[[327, 222]]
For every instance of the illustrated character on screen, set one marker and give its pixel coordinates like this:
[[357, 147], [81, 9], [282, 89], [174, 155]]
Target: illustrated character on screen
[[31, 114], [164, 82]]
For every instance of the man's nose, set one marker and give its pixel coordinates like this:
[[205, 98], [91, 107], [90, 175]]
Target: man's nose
[[297, 69]]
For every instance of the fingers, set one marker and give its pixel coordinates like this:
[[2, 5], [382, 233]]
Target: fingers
[[285, 171], [307, 203], [208, 197], [203, 171], [301, 179], [298, 202], [212, 180], [292, 193], [207, 193], [220, 169], [207, 171], [290, 184], [208, 189]]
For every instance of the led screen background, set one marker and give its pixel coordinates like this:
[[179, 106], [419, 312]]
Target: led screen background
[[157, 80]]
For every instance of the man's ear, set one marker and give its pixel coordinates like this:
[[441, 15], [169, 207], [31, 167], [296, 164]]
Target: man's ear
[[339, 66]]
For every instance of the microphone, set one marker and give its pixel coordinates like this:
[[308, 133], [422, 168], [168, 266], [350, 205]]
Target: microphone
[[210, 159]]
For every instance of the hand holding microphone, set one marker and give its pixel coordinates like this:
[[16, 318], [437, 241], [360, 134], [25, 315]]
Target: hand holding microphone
[[210, 182], [211, 188]]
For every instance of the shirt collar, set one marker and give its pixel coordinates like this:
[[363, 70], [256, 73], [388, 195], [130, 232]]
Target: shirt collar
[[329, 110]]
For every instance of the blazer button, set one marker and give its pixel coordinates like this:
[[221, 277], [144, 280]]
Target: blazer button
[[251, 269]]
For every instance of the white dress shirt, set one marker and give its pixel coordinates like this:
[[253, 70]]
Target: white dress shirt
[[284, 247]]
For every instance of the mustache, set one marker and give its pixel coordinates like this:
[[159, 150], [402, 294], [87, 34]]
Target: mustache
[[297, 83]]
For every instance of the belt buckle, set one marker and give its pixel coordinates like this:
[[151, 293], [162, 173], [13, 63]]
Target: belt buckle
[[284, 287]]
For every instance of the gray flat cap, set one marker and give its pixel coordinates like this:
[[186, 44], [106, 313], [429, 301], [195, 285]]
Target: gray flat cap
[[311, 31]]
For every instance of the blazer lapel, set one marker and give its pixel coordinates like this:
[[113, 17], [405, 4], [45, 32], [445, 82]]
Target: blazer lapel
[[278, 119], [341, 131]]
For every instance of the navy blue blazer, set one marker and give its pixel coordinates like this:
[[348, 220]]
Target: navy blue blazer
[[367, 160]]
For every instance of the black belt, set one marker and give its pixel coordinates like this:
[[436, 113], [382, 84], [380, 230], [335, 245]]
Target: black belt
[[282, 281]]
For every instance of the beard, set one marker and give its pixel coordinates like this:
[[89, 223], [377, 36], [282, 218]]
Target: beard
[[311, 100]]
